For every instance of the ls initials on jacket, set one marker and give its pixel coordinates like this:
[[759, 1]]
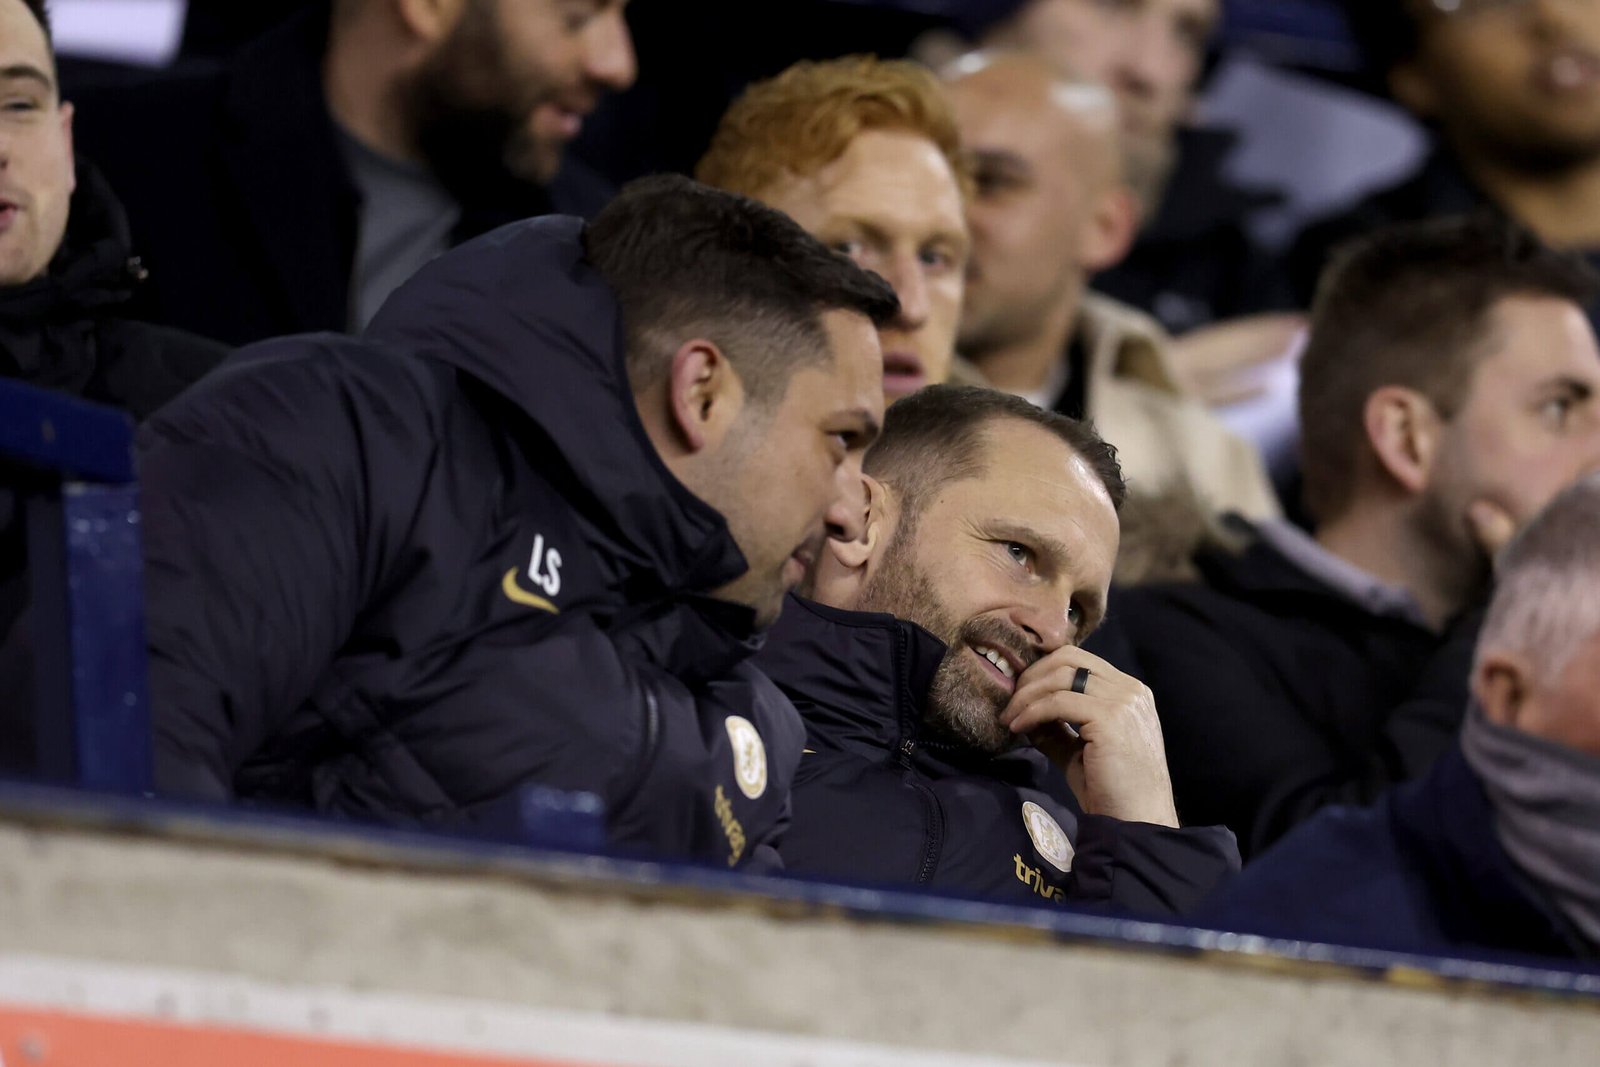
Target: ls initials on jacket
[[405, 575]]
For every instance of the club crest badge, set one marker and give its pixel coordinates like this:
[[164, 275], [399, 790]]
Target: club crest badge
[[1049, 840], [749, 757]]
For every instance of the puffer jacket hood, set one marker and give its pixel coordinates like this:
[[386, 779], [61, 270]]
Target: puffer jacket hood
[[522, 311]]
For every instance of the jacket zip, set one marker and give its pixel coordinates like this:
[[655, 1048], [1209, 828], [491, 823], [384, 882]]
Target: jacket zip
[[647, 757], [933, 838]]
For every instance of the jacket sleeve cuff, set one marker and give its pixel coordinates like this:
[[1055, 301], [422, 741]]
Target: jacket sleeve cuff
[[1145, 869]]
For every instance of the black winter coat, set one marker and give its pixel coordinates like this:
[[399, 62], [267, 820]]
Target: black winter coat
[[403, 576], [877, 800], [1278, 695], [66, 331], [241, 203]]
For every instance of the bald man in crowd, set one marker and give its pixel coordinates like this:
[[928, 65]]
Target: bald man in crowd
[[1052, 208]]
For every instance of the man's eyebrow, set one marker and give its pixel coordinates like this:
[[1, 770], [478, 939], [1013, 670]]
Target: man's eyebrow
[[867, 423], [1577, 386], [27, 72], [999, 157]]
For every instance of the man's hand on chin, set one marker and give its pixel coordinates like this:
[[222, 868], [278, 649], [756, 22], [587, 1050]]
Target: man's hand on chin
[[1105, 735]]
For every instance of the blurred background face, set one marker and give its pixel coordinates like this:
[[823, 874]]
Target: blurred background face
[[1017, 561], [892, 204], [1150, 52], [791, 470], [1508, 79], [36, 166], [515, 79], [1044, 155], [1530, 425]]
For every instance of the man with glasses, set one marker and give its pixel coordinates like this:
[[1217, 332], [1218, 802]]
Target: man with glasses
[[1511, 88]]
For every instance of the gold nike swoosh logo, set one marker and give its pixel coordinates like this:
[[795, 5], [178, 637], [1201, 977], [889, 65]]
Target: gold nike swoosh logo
[[518, 595]]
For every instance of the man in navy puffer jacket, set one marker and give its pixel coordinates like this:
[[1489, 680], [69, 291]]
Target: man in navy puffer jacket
[[957, 737], [525, 530]]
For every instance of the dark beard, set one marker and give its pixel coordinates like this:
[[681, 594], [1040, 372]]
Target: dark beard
[[468, 130], [961, 707]]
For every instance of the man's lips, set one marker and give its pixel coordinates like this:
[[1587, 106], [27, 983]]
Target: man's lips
[[903, 371], [1568, 70], [566, 116], [1001, 665]]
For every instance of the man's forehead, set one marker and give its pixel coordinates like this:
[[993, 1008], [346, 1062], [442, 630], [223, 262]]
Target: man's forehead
[[1533, 336], [892, 178], [22, 40], [1030, 474]]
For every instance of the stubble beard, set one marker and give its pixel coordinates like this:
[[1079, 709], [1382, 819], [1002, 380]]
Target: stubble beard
[[960, 708]]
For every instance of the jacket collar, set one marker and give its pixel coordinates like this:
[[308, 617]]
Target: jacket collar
[[857, 675], [521, 311], [1262, 573], [863, 678], [1122, 342], [93, 269]]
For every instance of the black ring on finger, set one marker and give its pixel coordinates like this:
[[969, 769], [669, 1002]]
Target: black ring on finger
[[1080, 680]]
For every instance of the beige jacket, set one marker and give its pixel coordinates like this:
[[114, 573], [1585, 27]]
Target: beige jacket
[[1164, 438]]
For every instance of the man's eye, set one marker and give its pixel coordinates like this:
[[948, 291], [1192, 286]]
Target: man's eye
[[853, 249], [936, 258], [1075, 614], [20, 104], [1019, 553], [1557, 412]]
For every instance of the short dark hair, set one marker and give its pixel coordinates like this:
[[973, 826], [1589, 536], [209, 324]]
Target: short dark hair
[[37, 7], [936, 436], [1407, 306], [685, 259], [1386, 33]]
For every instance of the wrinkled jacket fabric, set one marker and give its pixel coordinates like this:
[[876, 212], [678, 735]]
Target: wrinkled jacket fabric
[[879, 800], [403, 576], [1422, 871]]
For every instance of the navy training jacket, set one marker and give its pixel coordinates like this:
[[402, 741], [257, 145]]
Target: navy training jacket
[[1420, 871], [402, 576], [877, 801]]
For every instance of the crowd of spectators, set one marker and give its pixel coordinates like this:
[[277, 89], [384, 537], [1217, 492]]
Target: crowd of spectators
[[858, 507]]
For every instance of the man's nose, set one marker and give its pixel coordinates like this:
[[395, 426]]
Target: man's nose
[[1145, 59], [610, 58], [847, 513], [911, 286], [1047, 620]]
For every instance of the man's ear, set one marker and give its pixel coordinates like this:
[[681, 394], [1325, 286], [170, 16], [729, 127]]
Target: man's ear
[[1500, 682], [1410, 86], [1111, 230], [1404, 430], [704, 394], [846, 564], [430, 21]]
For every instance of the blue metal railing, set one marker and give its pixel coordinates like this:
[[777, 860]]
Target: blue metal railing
[[70, 465]]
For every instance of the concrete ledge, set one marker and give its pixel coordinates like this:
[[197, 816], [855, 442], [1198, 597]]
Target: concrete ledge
[[345, 911]]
